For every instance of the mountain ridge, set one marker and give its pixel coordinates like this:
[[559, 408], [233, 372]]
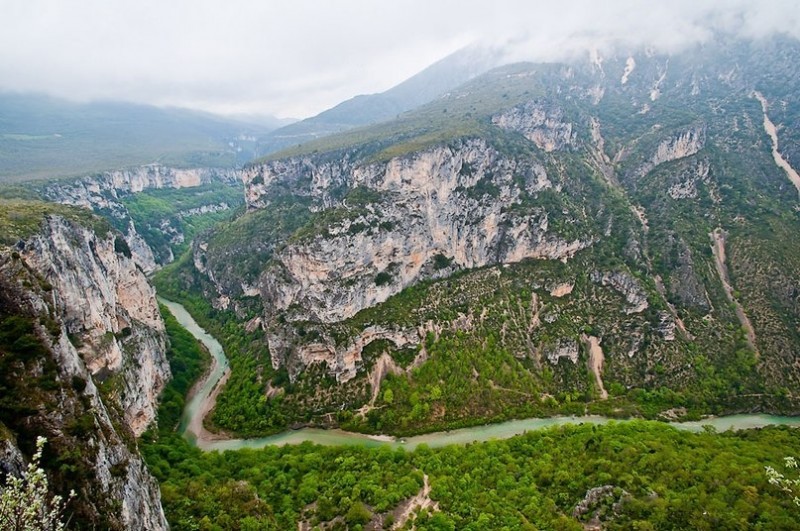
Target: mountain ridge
[[365, 109], [641, 167], [44, 137]]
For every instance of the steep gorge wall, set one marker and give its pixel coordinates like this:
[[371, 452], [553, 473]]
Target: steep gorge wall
[[107, 302], [94, 381], [427, 218], [103, 193]]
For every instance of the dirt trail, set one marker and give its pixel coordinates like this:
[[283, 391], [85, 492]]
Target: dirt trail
[[596, 360], [718, 248], [384, 366], [421, 501], [772, 131]]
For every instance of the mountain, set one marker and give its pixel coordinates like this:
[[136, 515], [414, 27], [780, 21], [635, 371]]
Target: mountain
[[605, 236], [157, 208], [425, 86], [83, 355], [609, 236], [43, 137]]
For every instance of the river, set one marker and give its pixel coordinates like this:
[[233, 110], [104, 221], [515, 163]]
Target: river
[[204, 397]]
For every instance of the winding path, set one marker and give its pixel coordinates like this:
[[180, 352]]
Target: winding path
[[718, 249], [772, 131]]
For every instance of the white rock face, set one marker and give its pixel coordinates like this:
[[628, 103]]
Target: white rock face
[[428, 214], [687, 143], [680, 146], [103, 192], [136, 489], [111, 293], [104, 299], [433, 208], [543, 125], [625, 285], [630, 64], [564, 348]]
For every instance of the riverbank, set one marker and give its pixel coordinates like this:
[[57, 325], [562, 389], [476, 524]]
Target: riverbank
[[204, 393], [205, 396]]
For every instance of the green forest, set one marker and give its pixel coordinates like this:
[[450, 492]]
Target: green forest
[[645, 475]]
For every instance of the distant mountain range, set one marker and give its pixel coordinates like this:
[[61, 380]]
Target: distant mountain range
[[434, 81], [44, 137]]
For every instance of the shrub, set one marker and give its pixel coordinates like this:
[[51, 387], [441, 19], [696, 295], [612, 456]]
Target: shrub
[[25, 502]]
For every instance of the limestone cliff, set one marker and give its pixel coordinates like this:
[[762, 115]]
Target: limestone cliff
[[103, 193], [92, 369], [549, 209], [429, 212], [107, 302]]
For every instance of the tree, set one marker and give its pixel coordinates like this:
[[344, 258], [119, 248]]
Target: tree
[[388, 396], [788, 485], [26, 505]]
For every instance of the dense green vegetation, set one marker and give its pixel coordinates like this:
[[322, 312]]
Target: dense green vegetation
[[659, 478], [241, 407], [242, 247], [169, 219], [655, 477]]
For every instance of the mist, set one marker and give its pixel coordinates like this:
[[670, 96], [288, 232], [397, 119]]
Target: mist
[[295, 59]]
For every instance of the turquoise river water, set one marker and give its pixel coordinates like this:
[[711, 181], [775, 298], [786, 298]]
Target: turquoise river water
[[196, 408]]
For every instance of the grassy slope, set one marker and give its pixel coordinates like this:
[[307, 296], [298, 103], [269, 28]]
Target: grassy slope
[[21, 218]]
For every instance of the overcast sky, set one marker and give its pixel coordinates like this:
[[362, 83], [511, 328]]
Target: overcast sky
[[296, 58]]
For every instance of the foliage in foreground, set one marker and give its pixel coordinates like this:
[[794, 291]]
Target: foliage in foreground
[[25, 502], [786, 484], [666, 479]]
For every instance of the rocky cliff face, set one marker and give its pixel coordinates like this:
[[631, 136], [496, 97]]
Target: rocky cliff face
[[90, 377], [429, 217], [103, 193], [104, 299], [537, 205], [544, 125]]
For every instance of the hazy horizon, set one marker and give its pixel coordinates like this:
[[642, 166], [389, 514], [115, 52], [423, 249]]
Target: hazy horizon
[[294, 60]]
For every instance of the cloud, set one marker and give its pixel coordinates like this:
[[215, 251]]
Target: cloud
[[298, 58]]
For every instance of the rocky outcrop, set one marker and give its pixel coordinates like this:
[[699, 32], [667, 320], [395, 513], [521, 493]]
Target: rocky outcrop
[[685, 285], [544, 125], [440, 206], [12, 462], [343, 361], [678, 146], [596, 500], [563, 348], [105, 302], [685, 186], [104, 192], [625, 285], [91, 401]]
